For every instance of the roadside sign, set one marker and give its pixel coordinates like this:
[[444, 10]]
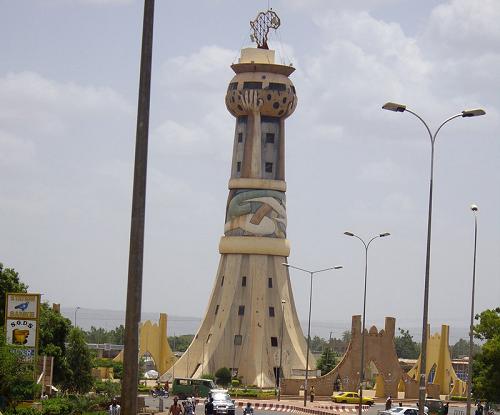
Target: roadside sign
[[22, 306], [21, 332]]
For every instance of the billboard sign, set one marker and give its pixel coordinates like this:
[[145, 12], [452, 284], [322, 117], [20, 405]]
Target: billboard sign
[[22, 306], [21, 325], [21, 332]]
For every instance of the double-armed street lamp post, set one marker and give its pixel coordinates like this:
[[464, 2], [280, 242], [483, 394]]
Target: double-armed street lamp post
[[391, 106], [474, 209], [311, 273], [362, 364]]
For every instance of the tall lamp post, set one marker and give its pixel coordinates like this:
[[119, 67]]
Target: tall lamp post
[[283, 302], [391, 106], [474, 209], [311, 273], [76, 309], [362, 364]]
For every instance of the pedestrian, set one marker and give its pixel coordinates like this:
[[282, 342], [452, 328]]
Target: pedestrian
[[114, 408], [209, 407], [446, 408], [479, 408], [400, 404], [175, 408], [312, 393], [248, 410], [189, 408], [388, 403]]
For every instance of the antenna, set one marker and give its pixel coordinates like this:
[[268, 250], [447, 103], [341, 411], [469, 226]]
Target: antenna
[[261, 25]]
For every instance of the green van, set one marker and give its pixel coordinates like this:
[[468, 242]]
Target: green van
[[185, 387]]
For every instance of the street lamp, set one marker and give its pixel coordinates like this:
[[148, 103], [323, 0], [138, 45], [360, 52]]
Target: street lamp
[[474, 209], [283, 302], [362, 366], [391, 106], [311, 273], [76, 309]]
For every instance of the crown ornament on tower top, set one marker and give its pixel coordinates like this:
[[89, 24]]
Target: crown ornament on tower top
[[261, 25]]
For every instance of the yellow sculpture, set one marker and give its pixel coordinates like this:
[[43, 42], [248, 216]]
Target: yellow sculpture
[[440, 372], [153, 340]]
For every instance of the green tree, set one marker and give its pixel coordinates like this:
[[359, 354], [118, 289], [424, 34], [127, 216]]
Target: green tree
[[180, 343], [54, 330], [406, 348], [461, 349], [486, 368], [9, 283], [223, 376], [16, 379], [327, 361], [318, 344], [79, 363]]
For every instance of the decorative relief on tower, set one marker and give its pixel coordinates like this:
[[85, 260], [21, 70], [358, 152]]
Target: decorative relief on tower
[[273, 96], [256, 213]]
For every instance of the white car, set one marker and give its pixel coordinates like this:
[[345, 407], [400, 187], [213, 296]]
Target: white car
[[403, 410]]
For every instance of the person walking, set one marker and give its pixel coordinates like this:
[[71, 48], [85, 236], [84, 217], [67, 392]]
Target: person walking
[[388, 403], [175, 408], [248, 410], [114, 408], [312, 393], [209, 407], [446, 408]]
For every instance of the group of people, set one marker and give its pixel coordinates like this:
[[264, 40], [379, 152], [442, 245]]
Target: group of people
[[188, 407]]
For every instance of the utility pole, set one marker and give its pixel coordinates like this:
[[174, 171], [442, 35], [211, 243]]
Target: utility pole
[[135, 266]]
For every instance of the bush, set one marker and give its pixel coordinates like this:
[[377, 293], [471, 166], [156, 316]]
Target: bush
[[107, 388], [458, 398], [208, 376], [235, 383], [143, 389], [223, 376]]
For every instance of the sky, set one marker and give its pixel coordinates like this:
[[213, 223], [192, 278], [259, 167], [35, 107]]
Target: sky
[[68, 102]]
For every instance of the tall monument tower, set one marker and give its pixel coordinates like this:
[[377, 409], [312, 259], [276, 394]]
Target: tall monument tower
[[251, 308]]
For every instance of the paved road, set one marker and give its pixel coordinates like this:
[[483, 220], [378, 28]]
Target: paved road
[[154, 403]]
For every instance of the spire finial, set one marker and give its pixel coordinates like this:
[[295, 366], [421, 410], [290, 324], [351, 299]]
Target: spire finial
[[261, 25]]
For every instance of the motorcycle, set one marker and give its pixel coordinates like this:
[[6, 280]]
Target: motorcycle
[[157, 392]]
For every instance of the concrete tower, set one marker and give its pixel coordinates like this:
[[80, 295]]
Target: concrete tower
[[251, 302]]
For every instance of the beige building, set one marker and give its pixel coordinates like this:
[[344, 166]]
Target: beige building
[[252, 302]]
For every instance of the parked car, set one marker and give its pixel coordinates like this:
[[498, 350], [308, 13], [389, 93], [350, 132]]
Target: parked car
[[223, 404], [351, 397]]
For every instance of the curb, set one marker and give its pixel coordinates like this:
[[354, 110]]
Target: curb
[[298, 409]]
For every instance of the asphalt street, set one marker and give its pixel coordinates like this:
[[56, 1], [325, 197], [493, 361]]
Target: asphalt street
[[154, 403]]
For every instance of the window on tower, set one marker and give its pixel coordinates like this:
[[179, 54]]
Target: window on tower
[[233, 86], [271, 311], [252, 85], [270, 282], [241, 310], [222, 281], [243, 281], [238, 339], [238, 166], [269, 138], [216, 309], [274, 86], [269, 167], [274, 341], [240, 137]]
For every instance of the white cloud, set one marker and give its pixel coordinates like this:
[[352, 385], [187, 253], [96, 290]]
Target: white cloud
[[462, 27]]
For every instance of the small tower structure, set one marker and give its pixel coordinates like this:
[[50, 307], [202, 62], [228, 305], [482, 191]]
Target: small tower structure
[[251, 312]]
